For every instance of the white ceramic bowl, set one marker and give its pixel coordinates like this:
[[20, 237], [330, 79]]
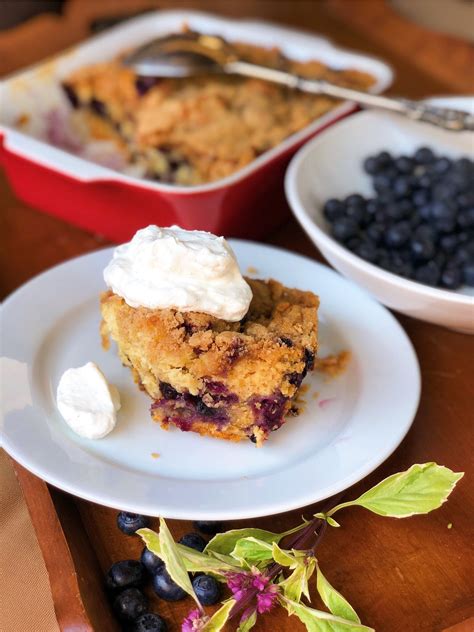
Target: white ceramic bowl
[[331, 166]]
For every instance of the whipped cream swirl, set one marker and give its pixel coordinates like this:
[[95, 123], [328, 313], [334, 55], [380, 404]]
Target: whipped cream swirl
[[191, 271]]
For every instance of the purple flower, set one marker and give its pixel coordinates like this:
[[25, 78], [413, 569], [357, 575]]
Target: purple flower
[[241, 583], [266, 599], [194, 622], [238, 583]]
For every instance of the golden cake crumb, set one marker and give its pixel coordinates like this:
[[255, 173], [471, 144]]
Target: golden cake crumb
[[333, 365]]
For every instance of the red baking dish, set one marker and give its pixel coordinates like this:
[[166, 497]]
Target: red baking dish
[[246, 204]]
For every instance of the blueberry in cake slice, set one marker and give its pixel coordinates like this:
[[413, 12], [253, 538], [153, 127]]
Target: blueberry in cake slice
[[218, 354]]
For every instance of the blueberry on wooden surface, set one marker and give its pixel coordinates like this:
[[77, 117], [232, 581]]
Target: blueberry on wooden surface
[[130, 522]]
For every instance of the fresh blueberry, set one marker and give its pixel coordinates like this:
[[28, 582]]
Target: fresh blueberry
[[398, 235], [404, 164], [465, 199], [150, 561], [402, 186], [131, 522], [149, 622], [193, 541], [353, 243], [384, 159], [425, 212], [464, 164], [423, 249], [428, 273], [355, 200], [367, 250], [466, 218], [426, 231], [451, 278], [385, 197], [424, 156], [445, 225], [406, 206], [382, 182], [165, 587], [421, 197], [468, 274], [344, 228], [374, 232], [372, 165], [465, 252], [333, 209], [382, 219], [357, 213], [207, 589], [425, 181], [440, 259], [444, 191], [124, 574], [463, 236], [395, 211], [373, 206], [449, 243], [442, 165], [130, 604], [441, 210], [415, 220], [209, 527]]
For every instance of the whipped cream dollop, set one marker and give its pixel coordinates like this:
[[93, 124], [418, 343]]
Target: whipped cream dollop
[[87, 401], [188, 270]]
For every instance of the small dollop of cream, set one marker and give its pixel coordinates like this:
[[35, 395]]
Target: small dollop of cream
[[87, 401], [187, 270]]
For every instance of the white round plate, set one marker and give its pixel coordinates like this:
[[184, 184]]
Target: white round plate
[[350, 424]]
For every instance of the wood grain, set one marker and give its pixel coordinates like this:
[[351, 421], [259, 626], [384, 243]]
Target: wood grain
[[401, 575]]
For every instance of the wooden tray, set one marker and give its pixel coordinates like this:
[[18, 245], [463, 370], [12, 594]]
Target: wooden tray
[[395, 577], [409, 575]]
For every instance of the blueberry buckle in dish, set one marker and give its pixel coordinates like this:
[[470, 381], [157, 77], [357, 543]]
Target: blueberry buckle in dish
[[191, 131], [231, 380]]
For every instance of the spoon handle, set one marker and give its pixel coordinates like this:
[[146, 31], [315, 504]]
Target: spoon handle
[[447, 118]]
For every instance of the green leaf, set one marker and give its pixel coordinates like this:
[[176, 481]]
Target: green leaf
[[333, 599], [328, 519], [219, 618], [418, 490], [320, 621], [224, 543], [252, 552], [297, 583], [284, 558], [248, 624], [194, 561], [171, 556]]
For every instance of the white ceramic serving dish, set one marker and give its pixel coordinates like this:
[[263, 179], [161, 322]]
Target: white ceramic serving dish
[[331, 166], [347, 428]]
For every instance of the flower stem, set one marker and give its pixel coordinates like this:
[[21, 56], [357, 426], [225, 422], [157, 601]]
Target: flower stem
[[306, 538]]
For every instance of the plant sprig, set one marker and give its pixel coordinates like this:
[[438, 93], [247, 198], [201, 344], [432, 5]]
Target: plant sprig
[[260, 572]]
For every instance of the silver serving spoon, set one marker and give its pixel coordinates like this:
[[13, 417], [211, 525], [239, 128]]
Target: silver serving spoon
[[192, 54]]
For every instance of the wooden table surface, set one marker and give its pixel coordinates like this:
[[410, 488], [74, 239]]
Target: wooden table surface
[[400, 575]]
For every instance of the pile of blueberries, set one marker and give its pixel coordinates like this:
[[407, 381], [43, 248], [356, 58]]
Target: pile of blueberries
[[420, 222], [125, 579]]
